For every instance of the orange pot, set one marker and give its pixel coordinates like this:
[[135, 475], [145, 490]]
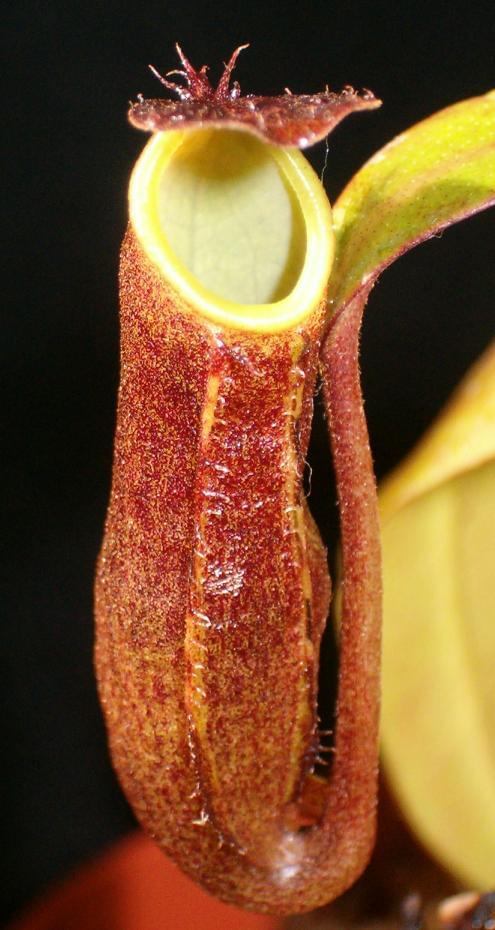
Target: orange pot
[[134, 887]]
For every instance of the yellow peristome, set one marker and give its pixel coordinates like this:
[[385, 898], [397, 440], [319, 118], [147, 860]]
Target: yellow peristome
[[241, 229], [438, 715]]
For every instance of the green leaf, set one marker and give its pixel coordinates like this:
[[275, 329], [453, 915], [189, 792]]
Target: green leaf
[[437, 512], [434, 174]]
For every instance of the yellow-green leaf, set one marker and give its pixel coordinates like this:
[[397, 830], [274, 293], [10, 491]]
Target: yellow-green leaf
[[438, 722], [434, 174]]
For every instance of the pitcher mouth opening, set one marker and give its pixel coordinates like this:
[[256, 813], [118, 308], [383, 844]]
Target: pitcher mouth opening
[[242, 229]]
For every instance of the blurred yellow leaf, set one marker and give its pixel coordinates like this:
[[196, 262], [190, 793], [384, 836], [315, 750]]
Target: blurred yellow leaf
[[438, 722]]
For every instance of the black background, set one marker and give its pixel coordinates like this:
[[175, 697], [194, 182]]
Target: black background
[[71, 68]]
